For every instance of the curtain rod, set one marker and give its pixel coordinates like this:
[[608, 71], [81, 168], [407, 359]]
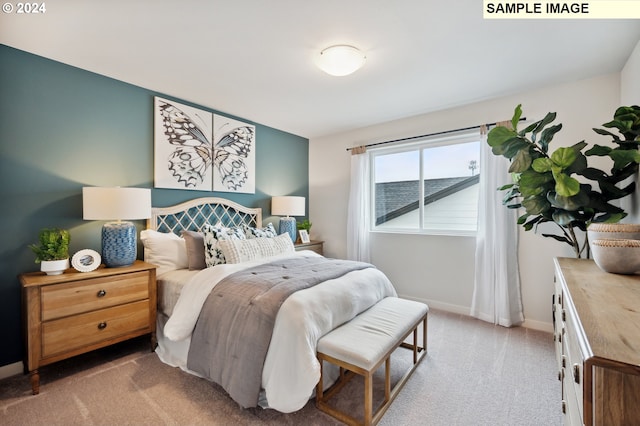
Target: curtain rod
[[428, 135]]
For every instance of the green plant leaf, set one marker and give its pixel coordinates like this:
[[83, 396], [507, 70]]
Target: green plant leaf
[[534, 183], [542, 165], [517, 113], [610, 218], [599, 150], [499, 135], [579, 164], [547, 136], [622, 157], [607, 133], [536, 220], [593, 174], [566, 186], [563, 157], [543, 123], [559, 238], [520, 162], [513, 147], [536, 205], [564, 217], [522, 219], [611, 192], [574, 203]]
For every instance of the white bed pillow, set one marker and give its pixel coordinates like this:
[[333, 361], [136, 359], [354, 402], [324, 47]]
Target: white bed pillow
[[165, 250], [237, 251]]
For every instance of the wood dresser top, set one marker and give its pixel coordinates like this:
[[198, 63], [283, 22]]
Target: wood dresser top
[[39, 278], [608, 306]]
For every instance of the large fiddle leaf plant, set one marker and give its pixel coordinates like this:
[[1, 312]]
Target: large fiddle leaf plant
[[559, 186]]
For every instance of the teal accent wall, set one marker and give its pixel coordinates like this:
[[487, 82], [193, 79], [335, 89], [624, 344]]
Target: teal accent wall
[[62, 128]]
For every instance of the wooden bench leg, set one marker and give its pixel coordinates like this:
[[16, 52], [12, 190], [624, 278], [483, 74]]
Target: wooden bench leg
[[387, 380], [320, 385], [368, 398]]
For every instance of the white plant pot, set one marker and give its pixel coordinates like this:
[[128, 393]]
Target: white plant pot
[[54, 267]]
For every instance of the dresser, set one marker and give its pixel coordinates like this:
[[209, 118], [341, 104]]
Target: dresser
[[596, 319], [76, 312]]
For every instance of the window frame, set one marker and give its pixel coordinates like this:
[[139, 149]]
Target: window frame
[[419, 145]]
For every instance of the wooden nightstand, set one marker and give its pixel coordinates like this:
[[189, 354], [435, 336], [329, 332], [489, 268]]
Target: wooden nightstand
[[76, 312], [313, 246]]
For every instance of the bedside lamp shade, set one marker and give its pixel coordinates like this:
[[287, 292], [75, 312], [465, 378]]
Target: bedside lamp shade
[[119, 246], [288, 206]]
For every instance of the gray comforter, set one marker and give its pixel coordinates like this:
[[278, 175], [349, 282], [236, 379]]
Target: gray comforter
[[231, 338]]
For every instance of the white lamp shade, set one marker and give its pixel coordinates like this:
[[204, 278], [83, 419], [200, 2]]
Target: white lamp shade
[[99, 203], [287, 206], [341, 60]]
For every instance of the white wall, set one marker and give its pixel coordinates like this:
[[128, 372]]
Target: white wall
[[630, 95], [629, 81], [439, 269]]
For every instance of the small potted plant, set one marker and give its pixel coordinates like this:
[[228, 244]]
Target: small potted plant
[[53, 251]]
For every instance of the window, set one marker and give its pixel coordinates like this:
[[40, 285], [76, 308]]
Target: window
[[449, 169]]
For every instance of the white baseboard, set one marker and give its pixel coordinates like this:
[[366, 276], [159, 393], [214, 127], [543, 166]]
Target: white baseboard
[[464, 310], [11, 369], [538, 325]]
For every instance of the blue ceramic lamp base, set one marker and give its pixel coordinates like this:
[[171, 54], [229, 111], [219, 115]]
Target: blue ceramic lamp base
[[288, 225], [119, 246]]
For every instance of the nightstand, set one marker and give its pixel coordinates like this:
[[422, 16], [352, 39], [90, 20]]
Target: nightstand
[[313, 246], [77, 312]]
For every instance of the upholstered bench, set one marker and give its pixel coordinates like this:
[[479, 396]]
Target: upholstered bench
[[363, 344]]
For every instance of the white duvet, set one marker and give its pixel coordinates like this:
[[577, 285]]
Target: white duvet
[[291, 369]]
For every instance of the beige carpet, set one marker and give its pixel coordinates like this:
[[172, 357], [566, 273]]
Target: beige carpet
[[475, 374]]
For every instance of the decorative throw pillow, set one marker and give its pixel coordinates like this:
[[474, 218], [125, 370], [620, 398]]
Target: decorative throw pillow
[[194, 241], [237, 251], [267, 232], [165, 250], [213, 234]]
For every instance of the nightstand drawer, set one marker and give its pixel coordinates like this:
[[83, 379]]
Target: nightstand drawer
[[74, 332], [77, 297]]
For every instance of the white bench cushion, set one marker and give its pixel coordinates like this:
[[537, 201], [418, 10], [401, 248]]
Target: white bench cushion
[[364, 340]]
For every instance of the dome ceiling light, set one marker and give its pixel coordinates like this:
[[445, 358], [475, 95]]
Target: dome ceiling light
[[341, 60]]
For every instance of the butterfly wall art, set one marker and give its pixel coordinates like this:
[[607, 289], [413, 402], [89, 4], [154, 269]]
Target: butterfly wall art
[[198, 150]]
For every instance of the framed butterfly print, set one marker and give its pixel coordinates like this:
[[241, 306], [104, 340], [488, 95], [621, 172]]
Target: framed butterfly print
[[183, 151], [233, 155], [195, 149]]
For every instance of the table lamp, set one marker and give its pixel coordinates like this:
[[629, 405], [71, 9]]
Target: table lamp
[[119, 245], [288, 206]]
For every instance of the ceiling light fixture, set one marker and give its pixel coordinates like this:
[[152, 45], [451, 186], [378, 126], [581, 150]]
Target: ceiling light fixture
[[341, 60]]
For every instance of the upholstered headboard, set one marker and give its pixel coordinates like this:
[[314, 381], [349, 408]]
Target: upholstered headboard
[[192, 215]]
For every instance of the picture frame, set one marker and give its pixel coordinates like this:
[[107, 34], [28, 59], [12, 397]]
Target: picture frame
[[304, 236], [86, 260]]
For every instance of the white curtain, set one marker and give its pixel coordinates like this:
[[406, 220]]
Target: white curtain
[[358, 210], [496, 292]]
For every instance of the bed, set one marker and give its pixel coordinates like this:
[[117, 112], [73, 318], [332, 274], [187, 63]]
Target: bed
[[235, 243]]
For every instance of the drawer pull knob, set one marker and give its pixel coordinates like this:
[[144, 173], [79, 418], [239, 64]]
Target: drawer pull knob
[[102, 325], [576, 373], [102, 293]]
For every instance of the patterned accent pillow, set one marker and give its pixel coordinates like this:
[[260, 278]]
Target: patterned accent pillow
[[267, 232], [213, 234], [237, 251]]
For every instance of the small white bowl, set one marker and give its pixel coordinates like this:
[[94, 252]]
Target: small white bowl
[[617, 256], [610, 231]]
